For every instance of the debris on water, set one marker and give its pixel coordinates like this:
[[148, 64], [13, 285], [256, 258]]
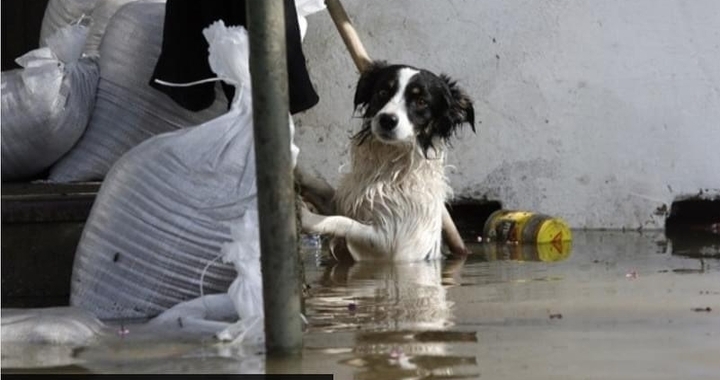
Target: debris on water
[[556, 316], [399, 358], [632, 274], [702, 309]]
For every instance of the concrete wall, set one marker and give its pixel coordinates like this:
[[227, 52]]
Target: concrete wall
[[600, 112]]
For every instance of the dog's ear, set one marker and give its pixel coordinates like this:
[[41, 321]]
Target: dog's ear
[[363, 92], [460, 108]]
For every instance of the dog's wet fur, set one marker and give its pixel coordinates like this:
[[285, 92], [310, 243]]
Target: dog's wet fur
[[391, 203]]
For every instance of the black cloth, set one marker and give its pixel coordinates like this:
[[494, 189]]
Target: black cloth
[[184, 54]]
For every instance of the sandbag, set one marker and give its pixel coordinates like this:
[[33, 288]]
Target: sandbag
[[127, 110], [100, 16], [61, 13], [169, 208], [46, 105], [53, 325]]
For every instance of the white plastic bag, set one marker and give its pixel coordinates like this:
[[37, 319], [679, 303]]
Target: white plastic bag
[[156, 231], [174, 211], [100, 16], [46, 105], [53, 325], [61, 13]]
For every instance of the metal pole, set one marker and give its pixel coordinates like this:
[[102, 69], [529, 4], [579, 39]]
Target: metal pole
[[276, 194]]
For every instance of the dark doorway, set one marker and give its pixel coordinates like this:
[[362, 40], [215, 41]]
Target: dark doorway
[[21, 21]]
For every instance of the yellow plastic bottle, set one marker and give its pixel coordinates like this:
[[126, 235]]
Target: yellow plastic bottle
[[549, 237]]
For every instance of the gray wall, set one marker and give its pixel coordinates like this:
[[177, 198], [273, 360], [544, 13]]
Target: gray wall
[[600, 112]]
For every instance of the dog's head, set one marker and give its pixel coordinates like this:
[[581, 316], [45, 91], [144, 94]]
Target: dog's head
[[403, 104]]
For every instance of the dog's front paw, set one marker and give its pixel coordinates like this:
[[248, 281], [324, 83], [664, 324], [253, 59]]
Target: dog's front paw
[[308, 219]]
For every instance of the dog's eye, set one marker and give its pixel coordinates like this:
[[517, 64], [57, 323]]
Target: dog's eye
[[420, 103], [383, 93]]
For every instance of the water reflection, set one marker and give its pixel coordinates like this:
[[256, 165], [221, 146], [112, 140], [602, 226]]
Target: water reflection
[[695, 244], [508, 314], [546, 252], [400, 317], [387, 296]]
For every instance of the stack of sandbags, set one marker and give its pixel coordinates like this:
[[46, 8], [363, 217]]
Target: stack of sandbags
[[46, 105], [127, 110]]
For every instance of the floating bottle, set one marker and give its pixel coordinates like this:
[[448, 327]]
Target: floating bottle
[[550, 237]]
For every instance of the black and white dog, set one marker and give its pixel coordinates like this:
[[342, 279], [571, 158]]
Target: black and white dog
[[392, 201]]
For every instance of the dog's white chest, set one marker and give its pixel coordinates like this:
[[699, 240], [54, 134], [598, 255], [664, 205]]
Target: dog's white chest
[[401, 195]]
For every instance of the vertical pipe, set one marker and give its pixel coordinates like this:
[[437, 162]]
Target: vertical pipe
[[276, 194]]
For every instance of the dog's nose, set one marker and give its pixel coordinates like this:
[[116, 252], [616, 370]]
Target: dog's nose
[[388, 121]]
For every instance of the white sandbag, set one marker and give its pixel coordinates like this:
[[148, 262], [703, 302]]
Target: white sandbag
[[46, 105], [61, 13], [127, 110], [100, 16], [159, 219], [156, 233], [53, 325]]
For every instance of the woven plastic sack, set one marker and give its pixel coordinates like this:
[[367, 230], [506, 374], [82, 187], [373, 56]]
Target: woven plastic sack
[[101, 15], [46, 105], [61, 13], [128, 111], [52, 325], [171, 208]]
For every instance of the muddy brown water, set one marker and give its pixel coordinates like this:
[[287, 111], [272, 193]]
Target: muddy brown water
[[615, 306]]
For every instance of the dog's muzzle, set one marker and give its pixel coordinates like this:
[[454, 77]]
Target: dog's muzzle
[[387, 122]]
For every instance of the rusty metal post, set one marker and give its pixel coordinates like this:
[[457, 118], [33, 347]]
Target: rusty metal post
[[276, 194]]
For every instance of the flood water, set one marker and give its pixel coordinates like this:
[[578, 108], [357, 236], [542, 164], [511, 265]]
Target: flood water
[[614, 305]]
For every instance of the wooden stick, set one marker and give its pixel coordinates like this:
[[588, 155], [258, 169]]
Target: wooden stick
[[349, 35]]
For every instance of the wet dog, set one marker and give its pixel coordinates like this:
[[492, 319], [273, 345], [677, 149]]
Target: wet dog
[[392, 202]]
